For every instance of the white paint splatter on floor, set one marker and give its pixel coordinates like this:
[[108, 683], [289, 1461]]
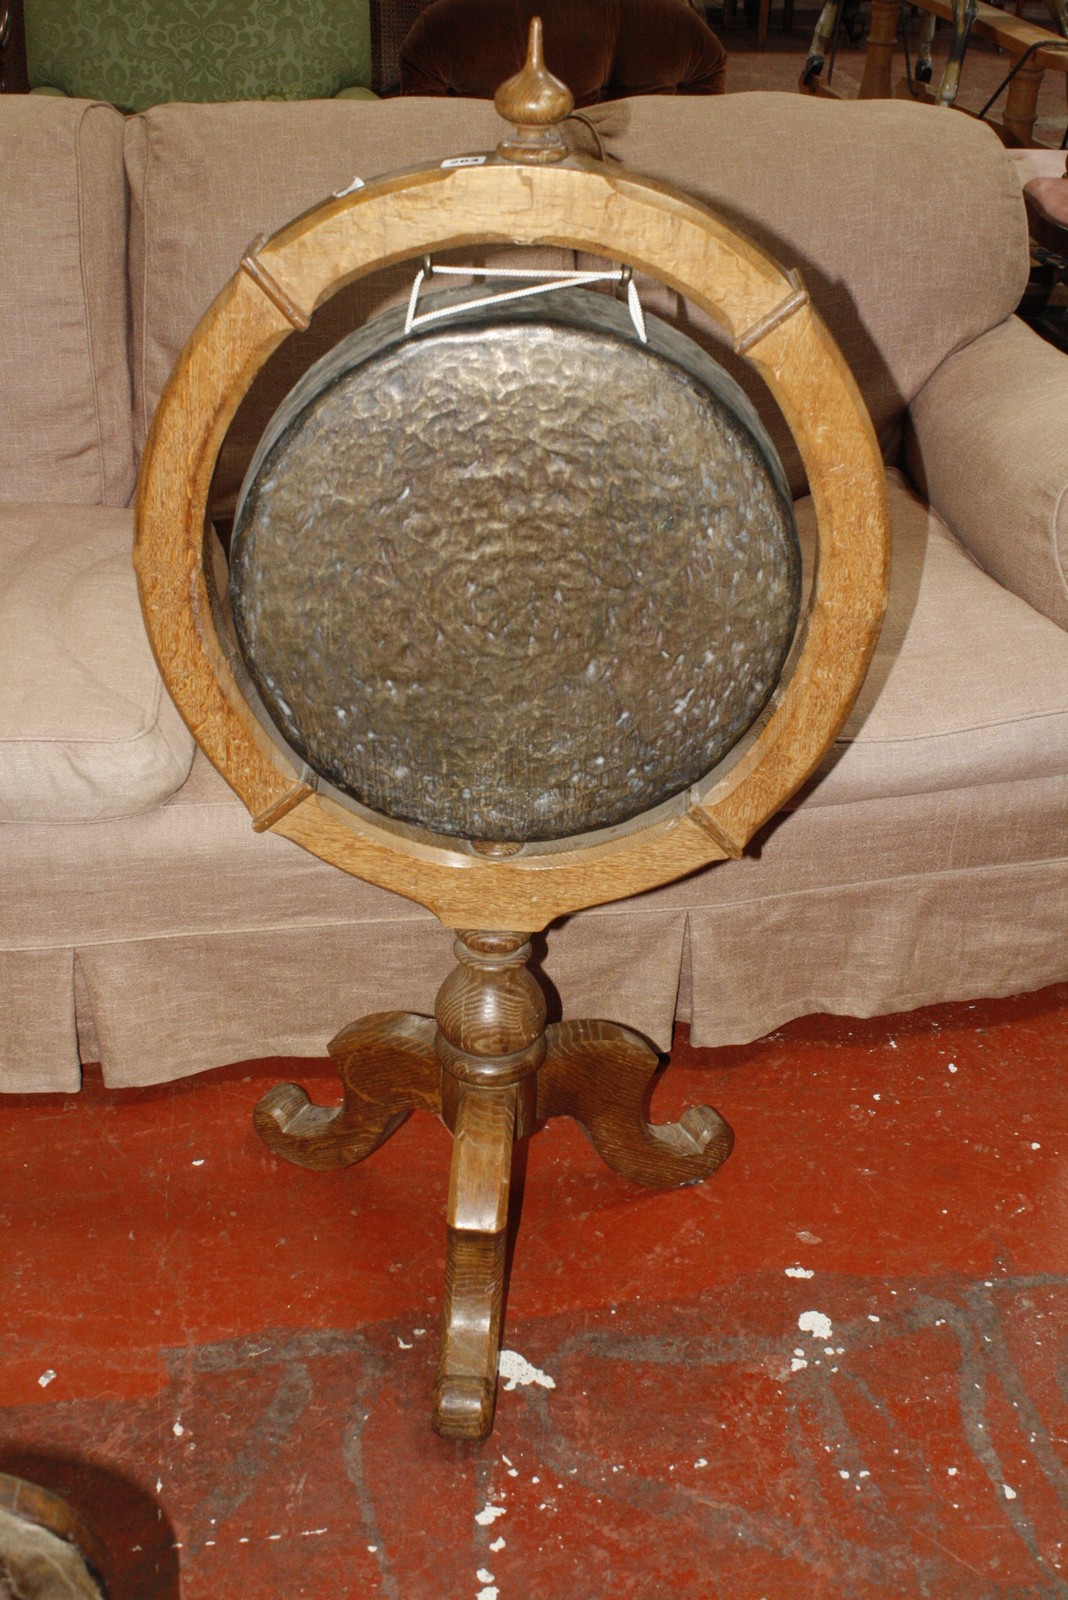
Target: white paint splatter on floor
[[815, 1323], [515, 1369], [488, 1515]]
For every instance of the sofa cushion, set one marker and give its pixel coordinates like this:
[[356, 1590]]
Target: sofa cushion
[[987, 445], [165, 922], [205, 180], [968, 683], [839, 212], [137, 56], [64, 367], [87, 730]]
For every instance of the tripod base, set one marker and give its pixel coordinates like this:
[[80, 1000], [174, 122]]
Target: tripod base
[[487, 1064]]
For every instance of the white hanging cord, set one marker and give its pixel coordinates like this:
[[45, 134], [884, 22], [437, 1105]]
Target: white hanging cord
[[634, 306], [409, 321], [549, 282]]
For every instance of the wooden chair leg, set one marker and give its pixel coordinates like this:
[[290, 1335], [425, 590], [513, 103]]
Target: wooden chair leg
[[1021, 108], [879, 55]]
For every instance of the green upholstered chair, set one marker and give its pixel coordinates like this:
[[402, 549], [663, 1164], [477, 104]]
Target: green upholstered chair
[[161, 50]]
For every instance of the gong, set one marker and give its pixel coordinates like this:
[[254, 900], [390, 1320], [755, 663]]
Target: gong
[[482, 859], [513, 629], [520, 573]]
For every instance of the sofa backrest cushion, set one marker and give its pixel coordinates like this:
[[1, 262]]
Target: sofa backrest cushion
[[64, 365], [906, 224], [159, 50], [205, 180]]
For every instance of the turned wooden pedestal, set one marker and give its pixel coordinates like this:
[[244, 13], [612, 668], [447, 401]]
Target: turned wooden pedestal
[[487, 1064]]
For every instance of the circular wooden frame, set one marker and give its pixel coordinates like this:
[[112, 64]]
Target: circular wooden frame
[[577, 205]]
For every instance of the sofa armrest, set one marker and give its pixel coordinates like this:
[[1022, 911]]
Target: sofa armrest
[[987, 446]]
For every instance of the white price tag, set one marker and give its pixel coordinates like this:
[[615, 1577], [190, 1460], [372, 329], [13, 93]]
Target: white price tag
[[465, 161]]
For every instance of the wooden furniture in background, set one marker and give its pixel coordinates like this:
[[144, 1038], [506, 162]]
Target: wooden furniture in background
[[13, 79], [1010, 33], [605, 49], [391, 22], [486, 1061]]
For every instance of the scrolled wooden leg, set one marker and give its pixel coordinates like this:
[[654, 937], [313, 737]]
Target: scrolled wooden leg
[[389, 1068], [466, 1389], [602, 1075], [490, 1042]]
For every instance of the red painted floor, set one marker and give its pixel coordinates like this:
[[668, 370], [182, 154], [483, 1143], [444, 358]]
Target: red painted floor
[[840, 1367]]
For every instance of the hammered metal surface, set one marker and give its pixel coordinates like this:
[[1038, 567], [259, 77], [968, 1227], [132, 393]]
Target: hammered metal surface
[[515, 579]]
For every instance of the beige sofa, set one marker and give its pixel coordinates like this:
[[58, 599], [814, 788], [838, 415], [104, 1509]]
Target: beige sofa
[[144, 924]]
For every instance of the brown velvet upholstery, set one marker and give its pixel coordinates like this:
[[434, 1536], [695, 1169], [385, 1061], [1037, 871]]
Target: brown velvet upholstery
[[602, 49]]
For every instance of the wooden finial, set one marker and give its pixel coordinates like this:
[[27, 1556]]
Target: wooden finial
[[534, 102]]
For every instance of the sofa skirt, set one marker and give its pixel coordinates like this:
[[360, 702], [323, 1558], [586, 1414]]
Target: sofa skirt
[[859, 910]]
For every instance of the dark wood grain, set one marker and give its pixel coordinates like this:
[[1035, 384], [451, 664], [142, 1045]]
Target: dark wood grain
[[535, 103], [603, 1076], [474, 1268], [388, 1067], [490, 1042]]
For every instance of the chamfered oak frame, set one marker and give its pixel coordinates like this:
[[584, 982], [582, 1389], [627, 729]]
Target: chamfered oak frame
[[576, 204]]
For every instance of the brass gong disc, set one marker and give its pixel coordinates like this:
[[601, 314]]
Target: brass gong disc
[[516, 575]]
